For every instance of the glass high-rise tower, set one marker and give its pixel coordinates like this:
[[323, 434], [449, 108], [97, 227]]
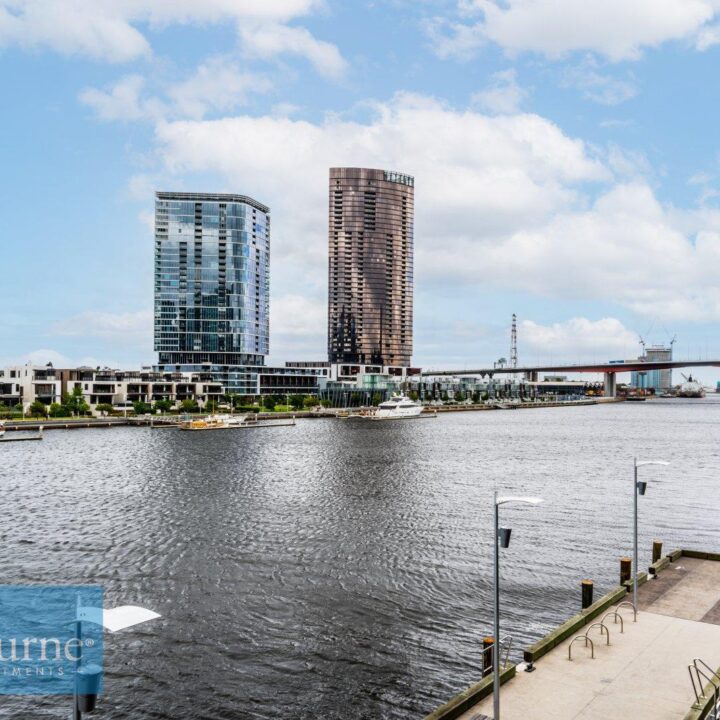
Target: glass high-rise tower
[[212, 282], [370, 299]]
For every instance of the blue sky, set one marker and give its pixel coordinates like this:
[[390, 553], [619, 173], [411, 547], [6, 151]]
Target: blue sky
[[565, 155]]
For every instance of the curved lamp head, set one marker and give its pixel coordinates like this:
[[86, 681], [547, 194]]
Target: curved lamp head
[[115, 619], [513, 499], [640, 463]]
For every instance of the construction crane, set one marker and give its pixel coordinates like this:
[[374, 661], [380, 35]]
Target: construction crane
[[513, 343]]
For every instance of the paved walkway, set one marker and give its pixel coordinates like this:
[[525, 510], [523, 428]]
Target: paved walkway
[[643, 673]]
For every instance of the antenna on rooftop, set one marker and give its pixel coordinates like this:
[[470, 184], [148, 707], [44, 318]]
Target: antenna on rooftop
[[513, 343]]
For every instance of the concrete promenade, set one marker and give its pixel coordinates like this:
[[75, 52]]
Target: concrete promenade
[[643, 673]]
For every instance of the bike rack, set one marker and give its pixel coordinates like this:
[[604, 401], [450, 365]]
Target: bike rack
[[716, 688], [602, 626], [616, 616], [587, 640], [627, 602], [707, 667], [698, 695]]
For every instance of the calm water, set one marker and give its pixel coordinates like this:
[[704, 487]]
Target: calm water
[[342, 569]]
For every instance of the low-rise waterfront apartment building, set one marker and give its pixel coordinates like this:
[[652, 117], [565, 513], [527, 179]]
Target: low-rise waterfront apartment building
[[24, 384]]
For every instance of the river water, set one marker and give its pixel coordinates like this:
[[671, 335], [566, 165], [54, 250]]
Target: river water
[[343, 569]]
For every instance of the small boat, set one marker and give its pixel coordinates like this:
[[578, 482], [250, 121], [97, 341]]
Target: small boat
[[398, 407], [228, 422], [211, 422], [2, 428]]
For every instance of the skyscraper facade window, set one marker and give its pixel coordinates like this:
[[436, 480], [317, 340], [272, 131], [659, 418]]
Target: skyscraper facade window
[[370, 313], [212, 281]]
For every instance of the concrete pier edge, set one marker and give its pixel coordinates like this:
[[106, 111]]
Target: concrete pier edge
[[467, 699]]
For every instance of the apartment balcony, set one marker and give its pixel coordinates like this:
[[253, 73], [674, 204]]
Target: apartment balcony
[[103, 389], [162, 389], [137, 389]]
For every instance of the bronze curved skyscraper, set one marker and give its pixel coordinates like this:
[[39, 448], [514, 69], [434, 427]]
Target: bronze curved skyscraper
[[370, 313]]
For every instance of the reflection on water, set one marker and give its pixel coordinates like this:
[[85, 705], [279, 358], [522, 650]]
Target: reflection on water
[[342, 569]]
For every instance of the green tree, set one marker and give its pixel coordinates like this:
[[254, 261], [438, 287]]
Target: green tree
[[413, 396], [326, 403], [105, 408], [74, 403], [309, 401], [37, 409], [57, 410], [376, 399], [459, 396], [141, 408], [211, 405], [189, 406], [297, 402], [269, 403], [163, 405], [444, 396]]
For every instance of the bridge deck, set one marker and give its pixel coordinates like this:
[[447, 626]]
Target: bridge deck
[[643, 673], [619, 367]]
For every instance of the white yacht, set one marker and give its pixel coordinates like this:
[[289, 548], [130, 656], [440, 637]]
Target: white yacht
[[691, 388], [398, 407]]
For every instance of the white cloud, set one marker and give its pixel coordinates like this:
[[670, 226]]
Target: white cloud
[[298, 315], [616, 29], [454, 39], [109, 29], [626, 249], [504, 95], [122, 101], [126, 327], [579, 336], [271, 39], [599, 87], [505, 202], [218, 84], [91, 28], [298, 327]]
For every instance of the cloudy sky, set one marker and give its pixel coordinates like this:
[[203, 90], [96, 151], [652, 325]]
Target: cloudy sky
[[565, 155]]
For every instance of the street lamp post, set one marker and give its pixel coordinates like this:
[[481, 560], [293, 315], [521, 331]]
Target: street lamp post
[[502, 539], [112, 620], [639, 487]]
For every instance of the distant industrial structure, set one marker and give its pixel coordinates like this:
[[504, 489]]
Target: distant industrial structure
[[657, 380]]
